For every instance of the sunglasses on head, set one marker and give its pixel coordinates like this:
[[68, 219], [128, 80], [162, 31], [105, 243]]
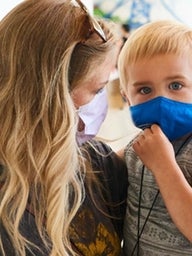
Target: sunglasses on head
[[94, 23]]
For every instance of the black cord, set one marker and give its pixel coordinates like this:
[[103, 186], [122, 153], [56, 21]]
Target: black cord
[[146, 219], [139, 211], [139, 233]]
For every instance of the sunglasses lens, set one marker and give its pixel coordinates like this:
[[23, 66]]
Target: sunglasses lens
[[98, 29]]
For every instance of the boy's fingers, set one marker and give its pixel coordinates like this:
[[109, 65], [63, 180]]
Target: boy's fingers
[[155, 128]]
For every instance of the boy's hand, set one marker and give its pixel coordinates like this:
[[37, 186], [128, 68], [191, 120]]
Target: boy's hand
[[154, 149]]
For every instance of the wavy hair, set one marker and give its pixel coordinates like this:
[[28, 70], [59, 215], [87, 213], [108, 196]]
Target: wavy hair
[[44, 54], [151, 39]]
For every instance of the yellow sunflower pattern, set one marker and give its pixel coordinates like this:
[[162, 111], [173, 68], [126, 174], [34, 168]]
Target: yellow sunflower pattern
[[94, 236]]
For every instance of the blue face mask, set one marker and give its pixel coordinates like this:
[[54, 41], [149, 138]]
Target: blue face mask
[[174, 118]]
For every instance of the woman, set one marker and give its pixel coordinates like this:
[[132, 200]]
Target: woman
[[54, 59]]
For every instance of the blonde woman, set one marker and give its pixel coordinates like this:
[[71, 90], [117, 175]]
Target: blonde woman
[[54, 60]]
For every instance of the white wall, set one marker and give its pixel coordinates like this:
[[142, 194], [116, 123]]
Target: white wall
[[6, 6]]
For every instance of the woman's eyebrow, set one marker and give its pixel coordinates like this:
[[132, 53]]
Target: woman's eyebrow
[[105, 82]]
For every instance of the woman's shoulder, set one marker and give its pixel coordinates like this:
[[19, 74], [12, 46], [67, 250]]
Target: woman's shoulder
[[105, 160]]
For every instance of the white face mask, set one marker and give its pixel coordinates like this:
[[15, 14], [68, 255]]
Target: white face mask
[[92, 114]]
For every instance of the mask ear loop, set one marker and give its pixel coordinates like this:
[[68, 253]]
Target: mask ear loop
[[139, 233]]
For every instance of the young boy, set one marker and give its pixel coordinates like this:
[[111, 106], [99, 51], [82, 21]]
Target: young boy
[[156, 76]]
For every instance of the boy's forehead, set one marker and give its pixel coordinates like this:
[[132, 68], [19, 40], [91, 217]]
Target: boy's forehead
[[146, 47]]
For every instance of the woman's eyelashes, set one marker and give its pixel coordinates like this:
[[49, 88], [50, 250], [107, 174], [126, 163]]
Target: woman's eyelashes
[[99, 90]]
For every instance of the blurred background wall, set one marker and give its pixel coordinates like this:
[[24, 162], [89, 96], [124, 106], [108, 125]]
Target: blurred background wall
[[139, 12], [134, 12]]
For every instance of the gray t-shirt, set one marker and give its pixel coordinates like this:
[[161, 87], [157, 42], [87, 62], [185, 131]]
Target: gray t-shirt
[[160, 236]]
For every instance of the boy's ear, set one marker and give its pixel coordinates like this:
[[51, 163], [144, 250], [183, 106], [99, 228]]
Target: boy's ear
[[124, 96], [128, 102]]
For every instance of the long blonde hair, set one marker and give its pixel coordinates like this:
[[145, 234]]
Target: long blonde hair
[[43, 56], [151, 39]]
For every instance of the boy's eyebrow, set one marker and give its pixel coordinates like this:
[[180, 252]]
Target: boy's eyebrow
[[139, 83], [176, 77], [145, 82]]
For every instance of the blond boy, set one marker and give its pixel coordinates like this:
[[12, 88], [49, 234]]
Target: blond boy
[[156, 76]]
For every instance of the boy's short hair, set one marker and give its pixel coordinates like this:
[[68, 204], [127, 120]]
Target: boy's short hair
[[151, 39]]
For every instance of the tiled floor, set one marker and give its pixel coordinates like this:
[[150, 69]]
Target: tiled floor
[[117, 129]]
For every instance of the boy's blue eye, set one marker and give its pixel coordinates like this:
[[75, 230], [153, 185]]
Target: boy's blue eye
[[145, 90], [175, 86]]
